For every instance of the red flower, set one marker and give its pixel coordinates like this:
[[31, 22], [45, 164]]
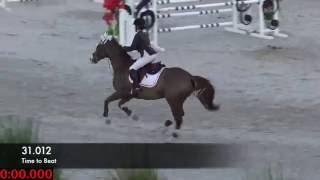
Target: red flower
[[108, 17], [113, 4]]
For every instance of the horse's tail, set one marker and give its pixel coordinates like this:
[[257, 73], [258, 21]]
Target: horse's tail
[[205, 92]]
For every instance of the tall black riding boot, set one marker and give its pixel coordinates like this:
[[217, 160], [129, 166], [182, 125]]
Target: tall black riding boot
[[136, 80]]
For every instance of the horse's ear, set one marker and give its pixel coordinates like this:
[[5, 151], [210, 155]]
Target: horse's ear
[[104, 38]]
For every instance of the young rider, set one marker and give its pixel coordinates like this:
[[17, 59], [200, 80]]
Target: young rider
[[148, 52]]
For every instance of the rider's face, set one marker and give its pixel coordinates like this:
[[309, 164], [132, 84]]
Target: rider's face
[[137, 28]]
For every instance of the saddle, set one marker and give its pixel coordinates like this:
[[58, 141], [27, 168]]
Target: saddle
[[150, 69]]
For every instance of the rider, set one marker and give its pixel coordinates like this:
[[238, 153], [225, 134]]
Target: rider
[[148, 52]]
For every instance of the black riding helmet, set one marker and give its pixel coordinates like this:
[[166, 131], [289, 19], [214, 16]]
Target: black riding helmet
[[139, 23]]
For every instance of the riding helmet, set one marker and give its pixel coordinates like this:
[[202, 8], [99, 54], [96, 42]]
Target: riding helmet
[[140, 23]]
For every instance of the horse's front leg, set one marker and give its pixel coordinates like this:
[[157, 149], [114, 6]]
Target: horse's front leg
[[115, 96]]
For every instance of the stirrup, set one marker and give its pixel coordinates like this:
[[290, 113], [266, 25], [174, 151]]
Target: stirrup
[[135, 90]]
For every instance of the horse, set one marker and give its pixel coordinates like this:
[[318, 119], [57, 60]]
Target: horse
[[174, 84]]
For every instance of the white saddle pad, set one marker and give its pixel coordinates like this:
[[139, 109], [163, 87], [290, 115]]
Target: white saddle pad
[[149, 80]]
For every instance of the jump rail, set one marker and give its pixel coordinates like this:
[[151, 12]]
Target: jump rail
[[161, 2], [190, 7], [201, 26], [203, 12]]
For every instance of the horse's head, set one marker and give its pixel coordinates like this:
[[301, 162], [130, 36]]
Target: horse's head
[[104, 48]]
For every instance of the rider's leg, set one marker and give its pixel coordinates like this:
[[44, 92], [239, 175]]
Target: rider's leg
[[143, 61], [133, 70], [135, 78]]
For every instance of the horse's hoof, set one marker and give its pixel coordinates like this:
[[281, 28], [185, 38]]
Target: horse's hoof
[[105, 114], [135, 117], [216, 107], [168, 123], [127, 111], [108, 121], [175, 135]]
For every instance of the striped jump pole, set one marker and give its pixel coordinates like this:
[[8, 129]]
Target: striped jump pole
[[161, 2], [203, 12], [201, 26], [190, 7]]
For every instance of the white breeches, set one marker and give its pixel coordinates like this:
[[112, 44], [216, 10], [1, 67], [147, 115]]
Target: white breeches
[[134, 54], [144, 60]]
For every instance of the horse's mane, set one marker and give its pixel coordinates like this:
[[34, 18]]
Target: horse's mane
[[122, 51]]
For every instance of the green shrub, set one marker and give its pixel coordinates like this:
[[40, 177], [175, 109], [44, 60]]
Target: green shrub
[[15, 130]]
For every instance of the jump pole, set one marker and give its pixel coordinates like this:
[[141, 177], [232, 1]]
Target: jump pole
[[161, 2], [190, 7], [203, 12], [179, 28]]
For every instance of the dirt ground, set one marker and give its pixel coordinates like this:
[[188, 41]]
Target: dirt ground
[[269, 91]]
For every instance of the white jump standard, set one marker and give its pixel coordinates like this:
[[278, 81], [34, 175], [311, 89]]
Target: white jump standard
[[262, 32]]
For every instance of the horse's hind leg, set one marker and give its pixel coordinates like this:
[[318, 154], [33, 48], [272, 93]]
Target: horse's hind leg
[[176, 106], [125, 109]]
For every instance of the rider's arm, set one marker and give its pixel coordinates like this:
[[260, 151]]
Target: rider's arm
[[134, 44], [147, 44], [157, 48]]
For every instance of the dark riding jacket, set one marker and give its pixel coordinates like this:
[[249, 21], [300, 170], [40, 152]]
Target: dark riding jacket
[[141, 43]]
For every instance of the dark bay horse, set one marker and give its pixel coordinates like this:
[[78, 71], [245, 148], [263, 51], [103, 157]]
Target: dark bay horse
[[174, 84]]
